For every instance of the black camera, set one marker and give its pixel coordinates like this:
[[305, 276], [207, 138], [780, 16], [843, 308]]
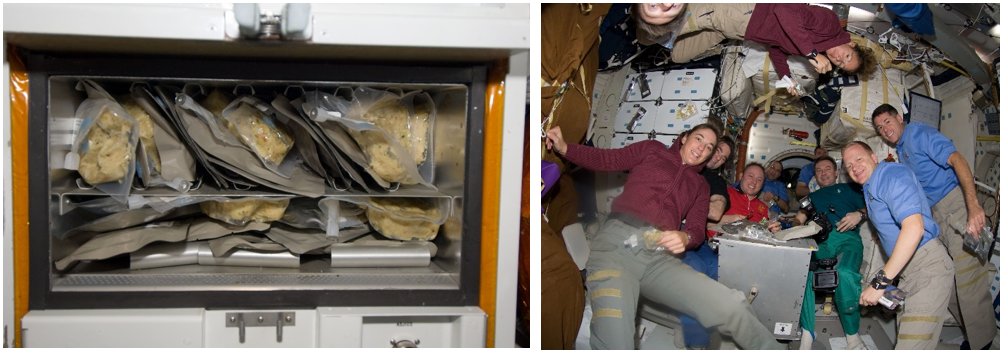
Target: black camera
[[818, 217]]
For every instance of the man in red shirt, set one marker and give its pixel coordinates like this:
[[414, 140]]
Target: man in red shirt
[[745, 204]]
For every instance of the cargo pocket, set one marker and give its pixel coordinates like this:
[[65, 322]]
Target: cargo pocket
[[848, 292]]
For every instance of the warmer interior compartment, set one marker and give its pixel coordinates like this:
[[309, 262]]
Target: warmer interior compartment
[[69, 196]]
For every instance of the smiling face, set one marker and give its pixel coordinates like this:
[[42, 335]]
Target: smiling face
[[843, 56], [658, 14], [721, 155], [752, 181], [826, 173], [697, 146], [889, 127], [773, 170], [859, 164]]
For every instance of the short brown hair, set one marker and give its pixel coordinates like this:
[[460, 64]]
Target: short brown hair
[[866, 62], [754, 164], [829, 158], [657, 30], [884, 108]]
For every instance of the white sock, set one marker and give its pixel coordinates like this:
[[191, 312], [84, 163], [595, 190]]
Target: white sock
[[807, 340], [852, 338]]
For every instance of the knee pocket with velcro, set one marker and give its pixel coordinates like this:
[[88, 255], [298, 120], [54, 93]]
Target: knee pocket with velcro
[[848, 292]]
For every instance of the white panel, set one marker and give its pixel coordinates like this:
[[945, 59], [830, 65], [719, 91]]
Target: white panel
[[510, 201], [653, 79], [168, 21], [628, 110], [767, 140], [959, 124], [434, 327], [168, 328], [620, 140], [301, 335], [8, 224], [339, 331], [425, 25], [668, 122], [689, 84]]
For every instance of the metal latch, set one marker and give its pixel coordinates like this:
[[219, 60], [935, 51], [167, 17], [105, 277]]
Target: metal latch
[[404, 343], [643, 85], [259, 319]]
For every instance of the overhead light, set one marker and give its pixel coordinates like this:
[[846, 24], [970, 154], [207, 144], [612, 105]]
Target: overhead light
[[995, 31]]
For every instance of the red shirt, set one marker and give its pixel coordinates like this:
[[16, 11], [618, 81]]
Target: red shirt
[[740, 204], [659, 190], [795, 29]]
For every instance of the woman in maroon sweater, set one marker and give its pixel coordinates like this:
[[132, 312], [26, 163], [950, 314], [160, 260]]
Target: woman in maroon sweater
[[663, 190]]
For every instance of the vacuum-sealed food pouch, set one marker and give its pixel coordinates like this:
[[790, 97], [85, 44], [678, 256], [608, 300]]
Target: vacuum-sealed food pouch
[[299, 240], [326, 112], [266, 138], [215, 103], [321, 148], [104, 147], [243, 210], [406, 219], [146, 140], [423, 113], [381, 126]]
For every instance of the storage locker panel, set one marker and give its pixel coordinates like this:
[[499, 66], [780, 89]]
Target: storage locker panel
[[632, 91], [675, 117], [643, 113], [689, 84]]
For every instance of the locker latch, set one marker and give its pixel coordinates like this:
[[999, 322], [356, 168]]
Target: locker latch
[[259, 319]]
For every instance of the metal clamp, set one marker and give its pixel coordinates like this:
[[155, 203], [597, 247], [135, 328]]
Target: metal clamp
[[259, 319]]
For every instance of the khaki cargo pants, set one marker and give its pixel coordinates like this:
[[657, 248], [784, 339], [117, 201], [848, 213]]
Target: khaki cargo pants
[[708, 25], [971, 303], [927, 280], [616, 276]]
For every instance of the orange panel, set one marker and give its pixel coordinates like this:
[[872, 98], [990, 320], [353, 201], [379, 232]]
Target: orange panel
[[492, 142], [19, 184]]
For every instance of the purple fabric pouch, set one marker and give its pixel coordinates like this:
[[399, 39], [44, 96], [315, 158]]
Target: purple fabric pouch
[[550, 174]]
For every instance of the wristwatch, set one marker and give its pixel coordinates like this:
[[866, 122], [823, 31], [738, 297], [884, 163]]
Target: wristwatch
[[880, 282], [812, 55], [863, 216]]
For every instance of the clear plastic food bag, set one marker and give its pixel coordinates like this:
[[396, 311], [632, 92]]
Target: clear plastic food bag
[[978, 247], [104, 147], [265, 137], [243, 210], [405, 219]]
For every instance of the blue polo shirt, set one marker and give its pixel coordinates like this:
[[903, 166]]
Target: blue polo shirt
[[893, 194], [925, 151], [806, 173], [778, 188]]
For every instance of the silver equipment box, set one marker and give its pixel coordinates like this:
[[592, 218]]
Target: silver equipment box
[[776, 272]]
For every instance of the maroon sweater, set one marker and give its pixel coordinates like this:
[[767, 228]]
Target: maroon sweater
[[794, 29], [659, 190]]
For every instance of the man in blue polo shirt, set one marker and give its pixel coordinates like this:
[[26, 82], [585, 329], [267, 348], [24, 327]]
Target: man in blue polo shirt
[[774, 190], [898, 208], [948, 184]]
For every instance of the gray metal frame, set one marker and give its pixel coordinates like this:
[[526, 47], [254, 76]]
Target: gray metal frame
[[450, 281]]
